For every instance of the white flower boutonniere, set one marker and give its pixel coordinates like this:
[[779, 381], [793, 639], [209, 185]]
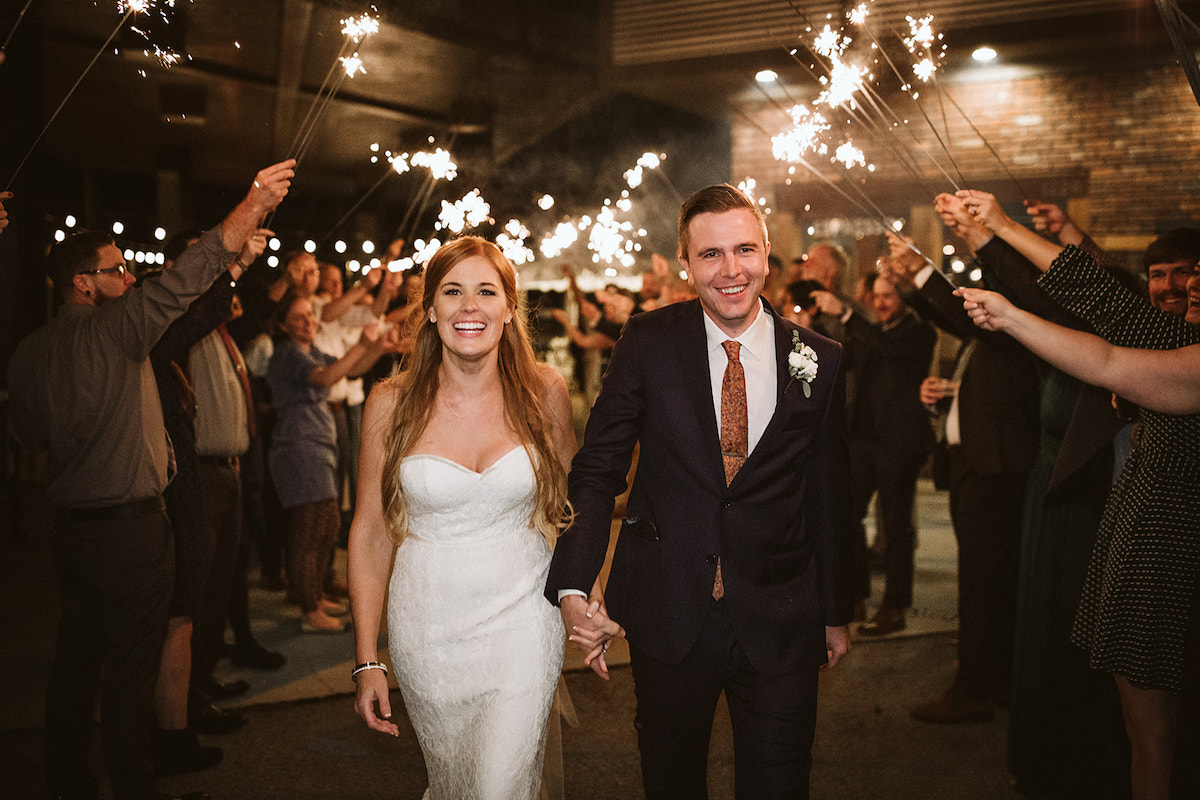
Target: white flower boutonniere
[[802, 364]]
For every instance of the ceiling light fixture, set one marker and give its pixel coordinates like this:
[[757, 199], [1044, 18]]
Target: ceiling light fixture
[[984, 54], [766, 76]]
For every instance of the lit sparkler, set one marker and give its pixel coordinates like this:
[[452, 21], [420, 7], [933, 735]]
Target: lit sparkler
[[127, 8], [439, 163], [354, 30], [511, 242], [469, 212], [849, 155]]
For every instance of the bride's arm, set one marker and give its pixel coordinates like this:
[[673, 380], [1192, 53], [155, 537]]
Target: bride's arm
[[370, 560], [1167, 381]]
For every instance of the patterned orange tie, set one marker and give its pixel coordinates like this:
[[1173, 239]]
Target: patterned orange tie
[[735, 442]]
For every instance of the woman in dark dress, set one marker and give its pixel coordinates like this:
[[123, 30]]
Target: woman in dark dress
[[1139, 592]]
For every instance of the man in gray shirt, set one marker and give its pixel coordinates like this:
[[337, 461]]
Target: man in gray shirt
[[83, 390]]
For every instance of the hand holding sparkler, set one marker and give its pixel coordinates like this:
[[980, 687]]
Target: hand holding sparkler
[[986, 210], [904, 258], [959, 220], [899, 277], [393, 251], [1049, 218], [989, 310], [251, 250], [268, 190], [271, 185]]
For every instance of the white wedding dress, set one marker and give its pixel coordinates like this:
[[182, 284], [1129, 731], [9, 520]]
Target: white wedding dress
[[475, 647]]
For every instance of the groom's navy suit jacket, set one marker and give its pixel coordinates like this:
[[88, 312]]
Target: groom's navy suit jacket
[[780, 529]]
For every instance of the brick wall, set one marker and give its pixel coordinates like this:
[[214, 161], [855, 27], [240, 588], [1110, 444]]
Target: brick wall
[[1120, 147]]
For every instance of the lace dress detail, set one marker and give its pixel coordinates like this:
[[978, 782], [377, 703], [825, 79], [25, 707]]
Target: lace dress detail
[[476, 649]]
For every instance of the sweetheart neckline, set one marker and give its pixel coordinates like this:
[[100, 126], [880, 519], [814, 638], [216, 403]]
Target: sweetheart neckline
[[462, 467]]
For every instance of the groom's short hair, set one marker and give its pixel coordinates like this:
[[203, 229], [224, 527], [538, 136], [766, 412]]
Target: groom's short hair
[[714, 200]]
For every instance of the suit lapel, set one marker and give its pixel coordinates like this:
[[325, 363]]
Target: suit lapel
[[691, 347]]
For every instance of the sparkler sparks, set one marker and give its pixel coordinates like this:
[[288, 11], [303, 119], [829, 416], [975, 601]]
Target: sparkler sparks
[[439, 164], [922, 33], [803, 136], [830, 43], [469, 212], [633, 177], [849, 155], [357, 28], [511, 242], [352, 65]]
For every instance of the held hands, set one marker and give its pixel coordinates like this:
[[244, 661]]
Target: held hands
[[271, 186], [4, 214], [933, 389], [837, 644], [590, 629], [371, 690]]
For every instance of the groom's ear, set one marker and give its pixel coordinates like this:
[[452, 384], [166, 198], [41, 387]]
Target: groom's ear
[[687, 269]]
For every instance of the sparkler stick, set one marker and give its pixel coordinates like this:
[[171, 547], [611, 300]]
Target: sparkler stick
[[920, 108], [874, 211], [355, 30], [881, 129], [133, 6], [408, 212], [421, 204], [7, 39], [986, 143], [357, 204]]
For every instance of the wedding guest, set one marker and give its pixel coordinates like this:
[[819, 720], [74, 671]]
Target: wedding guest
[[890, 438], [1133, 619], [1066, 736], [463, 485], [992, 432], [303, 453], [83, 389]]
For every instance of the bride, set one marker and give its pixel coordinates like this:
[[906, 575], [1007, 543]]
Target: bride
[[462, 477]]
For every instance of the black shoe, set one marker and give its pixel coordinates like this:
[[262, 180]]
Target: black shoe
[[210, 719], [256, 657], [177, 752], [216, 691]]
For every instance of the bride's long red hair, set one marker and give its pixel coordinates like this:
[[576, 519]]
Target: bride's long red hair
[[524, 409]]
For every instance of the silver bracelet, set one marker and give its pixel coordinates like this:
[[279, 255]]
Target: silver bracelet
[[366, 665]]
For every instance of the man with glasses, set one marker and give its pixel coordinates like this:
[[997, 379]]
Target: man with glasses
[[83, 390]]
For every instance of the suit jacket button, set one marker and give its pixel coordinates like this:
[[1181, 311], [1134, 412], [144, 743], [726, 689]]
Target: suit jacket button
[[727, 504], [711, 558]]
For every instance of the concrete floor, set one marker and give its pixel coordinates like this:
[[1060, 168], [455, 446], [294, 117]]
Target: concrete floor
[[303, 739]]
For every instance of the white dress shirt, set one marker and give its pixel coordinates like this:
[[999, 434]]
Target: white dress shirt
[[758, 362]]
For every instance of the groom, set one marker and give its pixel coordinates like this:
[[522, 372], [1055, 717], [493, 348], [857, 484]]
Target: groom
[[732, 564]]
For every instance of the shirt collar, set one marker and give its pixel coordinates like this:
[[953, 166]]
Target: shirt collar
[[757, 341]]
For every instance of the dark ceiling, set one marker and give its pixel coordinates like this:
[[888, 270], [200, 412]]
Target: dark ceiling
[[529, 94]]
